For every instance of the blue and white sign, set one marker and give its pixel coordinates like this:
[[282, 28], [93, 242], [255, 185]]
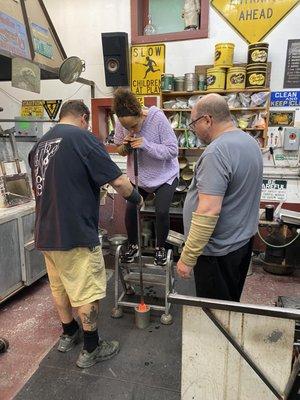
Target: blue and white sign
[[13, 36], [287, 98]]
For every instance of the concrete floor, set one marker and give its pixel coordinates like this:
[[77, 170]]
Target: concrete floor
[[29, 322]]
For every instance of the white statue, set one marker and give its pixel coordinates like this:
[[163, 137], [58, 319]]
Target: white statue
[[190, 13]]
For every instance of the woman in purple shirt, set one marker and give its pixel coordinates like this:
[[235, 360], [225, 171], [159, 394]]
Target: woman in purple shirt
[[151, 133]]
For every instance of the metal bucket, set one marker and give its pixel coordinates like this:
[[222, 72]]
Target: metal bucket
[[115, 241], [190, 82], [142, 318], [179, 84]]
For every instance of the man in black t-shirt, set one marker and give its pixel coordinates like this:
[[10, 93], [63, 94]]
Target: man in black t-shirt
[[68, 167]]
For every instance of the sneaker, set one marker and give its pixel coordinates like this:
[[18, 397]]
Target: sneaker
[[105, 351], [66, 342], [130, 254], [160, 257]]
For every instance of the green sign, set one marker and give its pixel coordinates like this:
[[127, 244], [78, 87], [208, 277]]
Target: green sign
[[41, 41]]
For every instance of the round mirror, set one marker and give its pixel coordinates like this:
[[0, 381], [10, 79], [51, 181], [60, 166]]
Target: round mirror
[[71, 69]]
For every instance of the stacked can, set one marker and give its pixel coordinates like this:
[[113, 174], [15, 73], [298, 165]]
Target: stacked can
[[256, 72], [190, 82], [167, 82], [179, 84], [216, 77], [236, 78]]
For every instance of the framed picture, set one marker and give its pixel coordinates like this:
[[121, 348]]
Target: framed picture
[[282, 118]]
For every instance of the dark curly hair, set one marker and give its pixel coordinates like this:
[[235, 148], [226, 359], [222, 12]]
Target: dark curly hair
[[125, 104]]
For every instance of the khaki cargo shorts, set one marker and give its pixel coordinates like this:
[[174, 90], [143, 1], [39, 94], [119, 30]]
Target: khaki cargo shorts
[[79, 273]]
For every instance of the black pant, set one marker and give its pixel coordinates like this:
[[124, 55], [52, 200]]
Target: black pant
[[223, 277], [163, 198]]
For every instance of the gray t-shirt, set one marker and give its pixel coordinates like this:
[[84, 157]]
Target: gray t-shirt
[[231, 166]]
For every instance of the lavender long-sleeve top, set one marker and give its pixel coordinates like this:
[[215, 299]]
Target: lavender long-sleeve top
[[157, 158]]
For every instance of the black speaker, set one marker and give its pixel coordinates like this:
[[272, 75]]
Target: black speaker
[[115, 54]]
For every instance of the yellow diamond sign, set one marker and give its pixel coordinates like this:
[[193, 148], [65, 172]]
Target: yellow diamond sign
[[254, 19]]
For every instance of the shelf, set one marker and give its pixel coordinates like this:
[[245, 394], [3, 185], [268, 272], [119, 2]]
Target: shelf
[[21, 138], [224, 91], [177, 109], [253, 129], [191, 148], [248, 109]]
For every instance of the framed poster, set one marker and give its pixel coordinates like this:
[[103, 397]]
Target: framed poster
[[281, 118], [147, 66], [292, 65]]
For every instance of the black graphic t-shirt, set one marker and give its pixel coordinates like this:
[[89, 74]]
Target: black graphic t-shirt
[[68, 166]]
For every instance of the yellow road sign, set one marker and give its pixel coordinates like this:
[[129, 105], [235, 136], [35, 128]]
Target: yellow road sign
[[141, 99], [52, 107], [147, 66], [254, 20], [32, 108]]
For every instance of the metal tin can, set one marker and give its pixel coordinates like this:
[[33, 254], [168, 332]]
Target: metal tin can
[[269, 209], [236, 78], [190, 82], [179, 84], [258, 53], [224, 55], [167, 82], [202, 82], [215, 79], [256, 75]]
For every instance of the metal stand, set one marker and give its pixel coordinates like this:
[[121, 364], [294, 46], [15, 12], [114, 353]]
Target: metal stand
[[208, 305], [128, 275]]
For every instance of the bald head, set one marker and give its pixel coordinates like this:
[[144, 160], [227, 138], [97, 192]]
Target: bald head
[[214, 105]]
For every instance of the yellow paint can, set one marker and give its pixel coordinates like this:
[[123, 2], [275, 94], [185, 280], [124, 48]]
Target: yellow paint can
[[215, 79], [236, 78], [258, 53], [224, 55], [256, 75]]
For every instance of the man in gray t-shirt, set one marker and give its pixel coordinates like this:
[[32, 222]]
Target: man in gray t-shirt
[[221, 208]]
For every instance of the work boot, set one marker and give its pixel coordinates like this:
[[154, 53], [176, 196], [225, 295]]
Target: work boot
[[104, 351], [130, 254], [66, 342], [160, 257]]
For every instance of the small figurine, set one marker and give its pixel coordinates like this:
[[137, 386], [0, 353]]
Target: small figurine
[[190, 13]]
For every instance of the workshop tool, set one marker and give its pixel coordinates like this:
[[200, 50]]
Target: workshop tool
[[142, 272], [142, 310], [15, 183]]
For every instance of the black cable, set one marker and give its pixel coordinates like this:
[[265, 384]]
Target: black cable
[[271, 150]]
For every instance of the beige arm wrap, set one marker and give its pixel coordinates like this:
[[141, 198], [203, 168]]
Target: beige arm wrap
[[202, 227]]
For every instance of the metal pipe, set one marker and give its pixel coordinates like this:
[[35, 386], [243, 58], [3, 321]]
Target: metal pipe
[[136, 175], [276, 312], [245, 356], [27, 120]]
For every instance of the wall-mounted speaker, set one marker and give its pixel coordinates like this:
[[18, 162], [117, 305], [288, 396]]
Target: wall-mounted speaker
[[115, 54]]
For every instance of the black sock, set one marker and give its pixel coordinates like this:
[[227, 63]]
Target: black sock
[[90, 340], [70, 328]]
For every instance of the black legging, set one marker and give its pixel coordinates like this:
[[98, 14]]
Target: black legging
[[163, 198]]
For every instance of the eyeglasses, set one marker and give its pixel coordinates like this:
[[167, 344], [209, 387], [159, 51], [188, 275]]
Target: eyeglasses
[[192, 124]]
